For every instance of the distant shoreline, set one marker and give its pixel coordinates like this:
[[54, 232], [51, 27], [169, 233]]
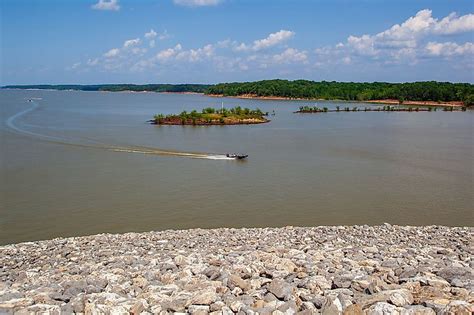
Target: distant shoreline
[[388, 101], [105, 91], [248, 96], [421, 103]]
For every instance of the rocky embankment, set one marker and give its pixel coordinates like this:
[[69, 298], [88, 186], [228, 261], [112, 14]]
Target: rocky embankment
[[330, 270]]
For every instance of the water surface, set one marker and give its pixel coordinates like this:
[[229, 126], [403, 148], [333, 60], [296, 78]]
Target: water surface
[[61, 177]]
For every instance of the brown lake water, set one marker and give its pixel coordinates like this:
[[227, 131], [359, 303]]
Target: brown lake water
[[78, 163]]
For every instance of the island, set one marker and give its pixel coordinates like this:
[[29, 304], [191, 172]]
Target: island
[[210, 116], [338, 109]]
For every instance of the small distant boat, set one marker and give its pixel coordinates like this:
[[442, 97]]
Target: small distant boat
[[237, 156]]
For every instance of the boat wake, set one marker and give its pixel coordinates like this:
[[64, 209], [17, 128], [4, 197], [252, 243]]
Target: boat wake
[[218, 157], [10, 122]]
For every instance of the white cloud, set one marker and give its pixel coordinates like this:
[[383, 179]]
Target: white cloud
[[291, 55], [166, 54], [241, 47], [151, 34], [273, 39], [413, 41], [109, 5], [138, 51], [449, 49], [114, 52], [363, 44], [404, 42], [194, 55], [408, 34], [453, 24], [131, 42], [196, 3]]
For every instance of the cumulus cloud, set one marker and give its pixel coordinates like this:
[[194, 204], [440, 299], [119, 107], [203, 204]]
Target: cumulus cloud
[[167, 54], [363, 44], [403, 43], [194, 55], [107, 5], [197, 3], [151, 34], [453, 24], [114, 52], [291, 55], [407, 34], [271, 40], [131, 42], [449, 49], [417, 39]]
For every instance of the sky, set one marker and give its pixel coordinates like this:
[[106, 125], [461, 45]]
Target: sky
[[211, 41]]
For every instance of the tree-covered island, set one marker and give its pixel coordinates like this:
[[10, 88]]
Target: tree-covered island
[[211, 116], [338, 109]]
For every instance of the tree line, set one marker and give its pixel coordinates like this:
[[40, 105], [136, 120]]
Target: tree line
[[172, 88], [350, 91]]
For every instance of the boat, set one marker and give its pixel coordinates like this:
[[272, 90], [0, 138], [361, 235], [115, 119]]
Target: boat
[[237, 156]]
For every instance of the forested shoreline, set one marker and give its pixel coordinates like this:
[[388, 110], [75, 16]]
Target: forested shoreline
[[299, 89], [170, 88], [349, 91]]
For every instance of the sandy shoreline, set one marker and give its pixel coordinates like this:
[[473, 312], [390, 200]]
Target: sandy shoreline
[[254, 97], [389, 101], [419, 103], [293, 270]]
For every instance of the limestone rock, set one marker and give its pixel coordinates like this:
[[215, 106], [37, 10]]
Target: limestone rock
[[280, 288]]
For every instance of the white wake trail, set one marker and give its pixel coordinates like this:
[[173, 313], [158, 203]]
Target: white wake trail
[[10, 122], [218, 157]]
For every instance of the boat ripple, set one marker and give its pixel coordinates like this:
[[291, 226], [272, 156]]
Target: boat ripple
[[10, 122]]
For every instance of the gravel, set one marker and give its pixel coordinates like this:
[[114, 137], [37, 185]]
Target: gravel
[[383, 269]]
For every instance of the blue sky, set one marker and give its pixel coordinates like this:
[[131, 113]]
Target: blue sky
[[210, 41]]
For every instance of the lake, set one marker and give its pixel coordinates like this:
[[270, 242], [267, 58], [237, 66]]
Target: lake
[[77, 163]]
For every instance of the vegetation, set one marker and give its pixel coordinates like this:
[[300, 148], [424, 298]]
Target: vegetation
[[315, 109], [211, 116], [175, 88], [350, 91]]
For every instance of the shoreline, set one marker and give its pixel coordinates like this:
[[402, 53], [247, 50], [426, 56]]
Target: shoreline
[[388, 101], [228, 122], [305, 270], [273, 98], [419, 103]]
